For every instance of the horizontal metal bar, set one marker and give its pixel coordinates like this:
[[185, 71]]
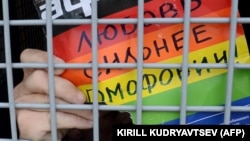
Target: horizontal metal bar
[[125, 65], [38, 22], [130, 107]]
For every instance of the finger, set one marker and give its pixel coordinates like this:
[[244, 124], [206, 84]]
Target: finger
[[68, 121], [40, 126], [29, 125], [37, 98], [48, 136], [41, 120], [37, 83], [42, 98], [38, 56]]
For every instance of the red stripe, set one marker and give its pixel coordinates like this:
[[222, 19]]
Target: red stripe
[[68, 45]]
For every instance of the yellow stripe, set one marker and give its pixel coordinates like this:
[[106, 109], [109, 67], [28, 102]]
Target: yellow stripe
[[124, 86]]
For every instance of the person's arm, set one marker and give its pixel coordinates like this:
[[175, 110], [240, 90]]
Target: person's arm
[[34, 123]]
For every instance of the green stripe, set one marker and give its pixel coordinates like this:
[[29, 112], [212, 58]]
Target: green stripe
[[209, 92]]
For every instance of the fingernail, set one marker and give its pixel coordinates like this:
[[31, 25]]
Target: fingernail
[[80, 97], [58, 60]]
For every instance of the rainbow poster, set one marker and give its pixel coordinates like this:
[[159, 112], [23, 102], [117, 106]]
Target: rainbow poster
[[163, 44]]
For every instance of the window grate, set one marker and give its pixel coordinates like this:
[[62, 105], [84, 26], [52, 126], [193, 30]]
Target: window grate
[[39, 33]]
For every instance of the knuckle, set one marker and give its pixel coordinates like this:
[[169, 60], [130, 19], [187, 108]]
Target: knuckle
[[24, 53], [38, 76], [33, 55]]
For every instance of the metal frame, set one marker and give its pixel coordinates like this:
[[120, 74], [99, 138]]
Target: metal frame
[[183, 108]]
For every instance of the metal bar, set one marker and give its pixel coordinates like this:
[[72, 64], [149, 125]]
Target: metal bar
[[244, 108], [49, 36], [140, 43], [126, 65], [94, 33], [230, 73], [38, 22], [185, 52], [8, 59]]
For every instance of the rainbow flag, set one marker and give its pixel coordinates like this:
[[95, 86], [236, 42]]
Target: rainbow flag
[[163, 44]]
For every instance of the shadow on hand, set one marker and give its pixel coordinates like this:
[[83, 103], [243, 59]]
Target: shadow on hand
[[107, 119]]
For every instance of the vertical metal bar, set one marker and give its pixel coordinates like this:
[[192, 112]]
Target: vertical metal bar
[[140, 42], [51, 83], [12, 110], [230, 67], [183, 105], [94, 27]]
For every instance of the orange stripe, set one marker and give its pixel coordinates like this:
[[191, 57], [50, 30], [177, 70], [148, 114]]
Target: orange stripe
[[155, 6], [212, 30], [66, 45]]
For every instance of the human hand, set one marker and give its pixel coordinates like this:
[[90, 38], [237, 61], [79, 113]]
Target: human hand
[[34, 123]]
